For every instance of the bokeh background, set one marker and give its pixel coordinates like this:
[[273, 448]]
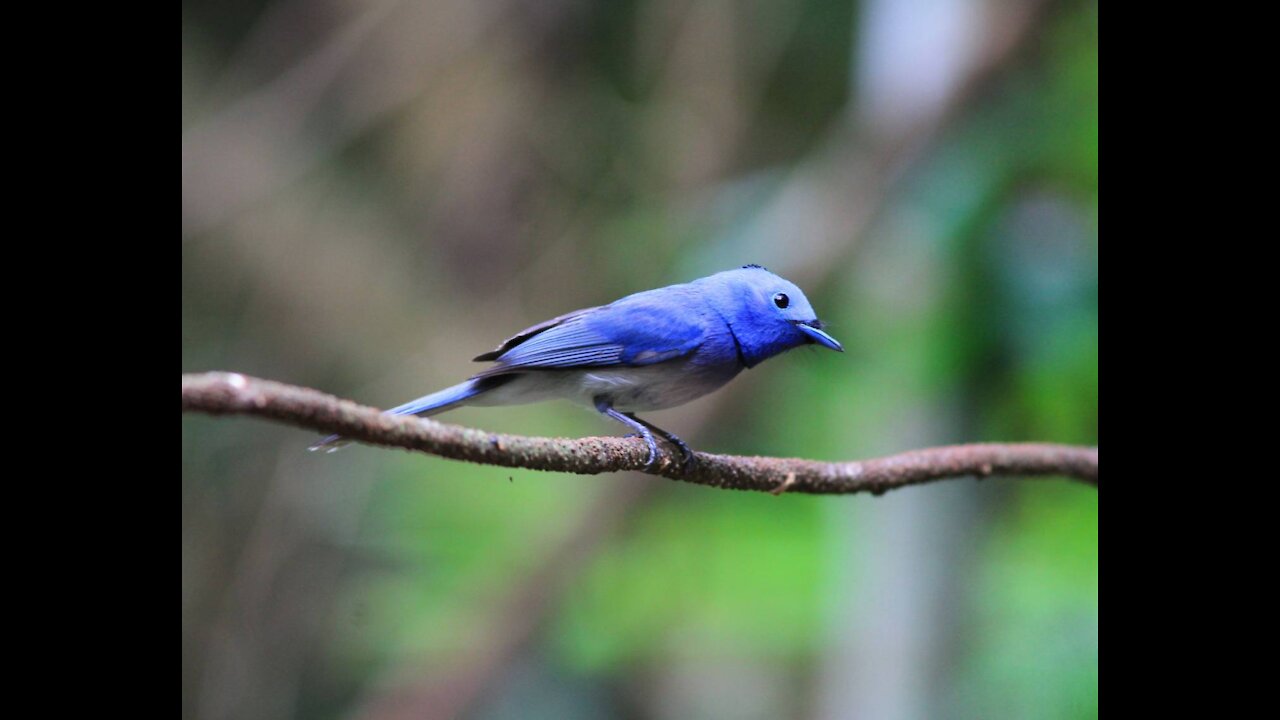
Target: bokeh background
[[375, 191]]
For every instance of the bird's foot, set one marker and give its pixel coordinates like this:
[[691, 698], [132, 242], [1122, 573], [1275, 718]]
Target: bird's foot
[[687, 456], [687, 459], [646, 431], [652, 462]]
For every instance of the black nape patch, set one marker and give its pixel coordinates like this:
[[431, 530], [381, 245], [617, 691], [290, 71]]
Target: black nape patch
[[754, 266]]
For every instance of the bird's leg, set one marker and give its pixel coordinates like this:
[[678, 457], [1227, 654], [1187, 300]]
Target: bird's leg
[[606, 408], [686, 453]]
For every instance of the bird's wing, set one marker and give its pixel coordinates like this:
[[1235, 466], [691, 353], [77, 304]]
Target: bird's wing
[[529, 332], [637, 331]]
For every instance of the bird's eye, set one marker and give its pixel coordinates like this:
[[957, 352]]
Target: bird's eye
[[781, 300]]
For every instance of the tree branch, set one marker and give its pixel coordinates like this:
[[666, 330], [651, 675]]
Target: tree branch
[[219, 393]]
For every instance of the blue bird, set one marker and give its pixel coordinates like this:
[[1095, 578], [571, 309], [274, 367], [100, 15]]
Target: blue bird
[[648, 351]]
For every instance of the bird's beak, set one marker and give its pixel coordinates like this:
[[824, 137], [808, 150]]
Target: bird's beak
[[820, 337]]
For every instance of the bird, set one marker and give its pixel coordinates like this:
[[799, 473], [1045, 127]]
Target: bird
[[652, 350]]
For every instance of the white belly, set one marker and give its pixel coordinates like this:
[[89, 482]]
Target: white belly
[[628, 389]]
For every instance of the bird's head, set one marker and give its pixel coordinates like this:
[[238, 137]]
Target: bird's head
[[767, 314]]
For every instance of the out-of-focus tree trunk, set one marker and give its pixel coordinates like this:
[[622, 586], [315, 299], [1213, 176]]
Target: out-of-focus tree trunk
[[896, 583]]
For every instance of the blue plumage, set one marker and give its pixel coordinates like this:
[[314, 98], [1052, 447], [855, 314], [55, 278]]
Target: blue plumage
[[647, 351]]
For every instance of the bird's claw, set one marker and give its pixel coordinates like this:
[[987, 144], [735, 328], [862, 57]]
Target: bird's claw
[[687, 457], [652, 462]]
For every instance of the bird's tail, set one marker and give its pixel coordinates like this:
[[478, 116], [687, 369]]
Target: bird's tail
[[425, 406]]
